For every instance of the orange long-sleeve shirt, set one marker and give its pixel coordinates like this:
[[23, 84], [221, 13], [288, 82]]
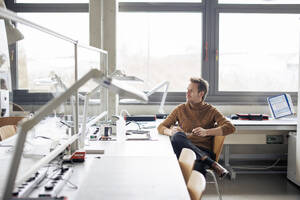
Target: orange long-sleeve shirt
[[191, 116]]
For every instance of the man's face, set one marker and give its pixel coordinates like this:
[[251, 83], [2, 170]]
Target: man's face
[[192, 94]]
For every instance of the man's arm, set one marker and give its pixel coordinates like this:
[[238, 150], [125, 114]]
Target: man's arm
[[199, 131], [167, 126], [225, 127]]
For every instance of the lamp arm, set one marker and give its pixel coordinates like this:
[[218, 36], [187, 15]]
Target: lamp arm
[[157, 87], [40, 115], [163, 100], [84, 123]]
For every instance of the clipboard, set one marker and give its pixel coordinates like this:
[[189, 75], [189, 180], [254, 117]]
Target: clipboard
[[281, 105]]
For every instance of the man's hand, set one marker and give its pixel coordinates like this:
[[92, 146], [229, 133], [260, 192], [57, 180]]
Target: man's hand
[[174, 129], [199, 131]]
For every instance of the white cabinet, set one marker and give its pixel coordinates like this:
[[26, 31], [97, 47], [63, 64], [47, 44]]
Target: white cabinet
[[292, 170]]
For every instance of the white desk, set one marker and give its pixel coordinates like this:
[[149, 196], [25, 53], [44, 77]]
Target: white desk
[[128, 170], [272, 124], [284, 125], [133, 177], [159, 147]]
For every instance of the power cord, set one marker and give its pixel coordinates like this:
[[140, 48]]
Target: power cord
[[258, 168]]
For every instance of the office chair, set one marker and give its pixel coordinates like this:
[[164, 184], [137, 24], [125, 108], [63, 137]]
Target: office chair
[[217, 149], [196, 185], [7, 131], [9, 120], [17, 107], [186, 161]]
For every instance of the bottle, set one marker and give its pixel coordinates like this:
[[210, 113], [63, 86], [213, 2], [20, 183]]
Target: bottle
[[120, 129]]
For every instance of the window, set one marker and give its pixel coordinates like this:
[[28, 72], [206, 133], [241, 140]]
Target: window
[[258, 52], [31, 65], [159, 47], [39, 54], [232, 44]]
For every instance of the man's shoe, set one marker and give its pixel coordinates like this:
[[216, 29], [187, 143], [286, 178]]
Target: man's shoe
[[220, 171]]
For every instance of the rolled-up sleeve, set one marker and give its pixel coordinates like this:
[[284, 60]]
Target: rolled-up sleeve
[[226, 125], [169, 121]]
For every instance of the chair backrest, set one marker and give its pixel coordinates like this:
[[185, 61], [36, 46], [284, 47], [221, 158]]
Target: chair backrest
[[218, 146], [7, 131], [9, 120], [196, 185], [187, 160]]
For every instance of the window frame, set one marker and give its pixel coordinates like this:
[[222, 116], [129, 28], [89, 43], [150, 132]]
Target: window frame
[[244, 98], [210, 26], [24, 97]]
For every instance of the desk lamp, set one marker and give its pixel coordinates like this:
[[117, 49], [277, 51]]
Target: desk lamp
[[13, 34], [25, 126], [156, 88], [120, 75]]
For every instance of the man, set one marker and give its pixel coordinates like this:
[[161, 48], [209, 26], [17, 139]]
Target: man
[[198, 122]]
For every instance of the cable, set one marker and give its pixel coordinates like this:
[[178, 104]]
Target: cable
[[73, 186], [257, 168], [134, 123], [126, 112]]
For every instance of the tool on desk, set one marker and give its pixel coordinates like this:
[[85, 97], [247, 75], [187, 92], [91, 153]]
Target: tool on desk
[[140, 118], [107, 129], [95, 134], [29, 185], [138, 135], [106, 138], [77, 156], [129, 132], [161, 116], [57, 182], [249, 116], [94, 151]]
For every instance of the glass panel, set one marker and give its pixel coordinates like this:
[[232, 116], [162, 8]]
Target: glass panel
[[259, 52], [160, 47], [39, 54], [260, 1], [87, 60], [52, 1]]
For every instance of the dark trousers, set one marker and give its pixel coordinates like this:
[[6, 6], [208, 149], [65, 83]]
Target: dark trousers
[[180, 141]]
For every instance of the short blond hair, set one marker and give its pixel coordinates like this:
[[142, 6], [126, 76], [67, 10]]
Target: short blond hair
[[202, 85]]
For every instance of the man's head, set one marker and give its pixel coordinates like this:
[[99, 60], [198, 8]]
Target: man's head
[[197, 90]]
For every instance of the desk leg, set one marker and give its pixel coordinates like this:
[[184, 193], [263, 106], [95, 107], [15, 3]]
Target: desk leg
[[232, 173]]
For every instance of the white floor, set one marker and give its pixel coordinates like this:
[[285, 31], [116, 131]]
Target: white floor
[[256, 187]]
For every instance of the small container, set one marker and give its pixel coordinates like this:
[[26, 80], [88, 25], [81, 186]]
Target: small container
[[107, 130]]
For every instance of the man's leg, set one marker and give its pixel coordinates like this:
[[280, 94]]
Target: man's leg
[[180, 141]]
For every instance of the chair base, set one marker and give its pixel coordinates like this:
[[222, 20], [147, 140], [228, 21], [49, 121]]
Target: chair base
[[209, 171]]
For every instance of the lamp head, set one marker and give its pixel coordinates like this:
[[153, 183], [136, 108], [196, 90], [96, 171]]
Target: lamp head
[[123, 89], [121, 75], [13, 34]]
